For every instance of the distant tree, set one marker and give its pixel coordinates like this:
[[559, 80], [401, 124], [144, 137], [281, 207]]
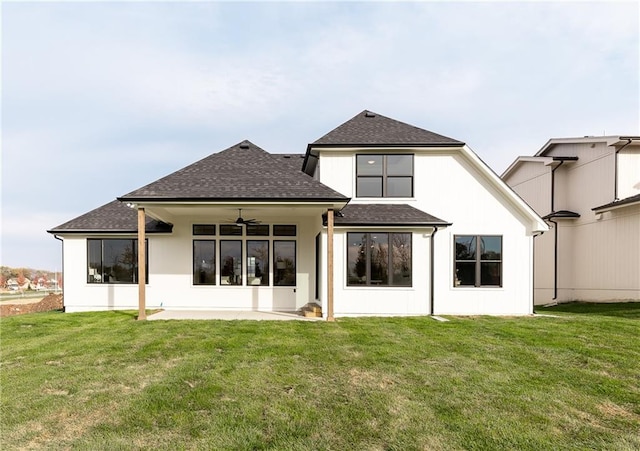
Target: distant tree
[[21, 278], [3, 281]]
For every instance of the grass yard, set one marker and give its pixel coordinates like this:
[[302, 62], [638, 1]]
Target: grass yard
[[105, 381]]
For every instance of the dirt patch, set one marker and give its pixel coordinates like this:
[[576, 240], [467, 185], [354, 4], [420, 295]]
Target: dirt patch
[[50, 302]]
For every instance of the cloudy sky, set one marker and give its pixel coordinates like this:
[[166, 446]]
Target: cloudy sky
[[99, 99]]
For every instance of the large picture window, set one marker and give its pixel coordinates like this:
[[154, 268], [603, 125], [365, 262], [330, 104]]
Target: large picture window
[[204, 262], [244, 255], [478, 261], [379, 259], [384, 175], [114, 261]]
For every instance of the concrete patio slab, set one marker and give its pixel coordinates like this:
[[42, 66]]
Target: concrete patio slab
[[228, 315]]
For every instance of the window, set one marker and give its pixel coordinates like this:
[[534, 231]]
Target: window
[[257, 262], [257, 230], [379, 259], [230, 229], [230, 262], [114, 261], [384, 176], [204, 229], [254, 245], [284, 230], [284, 263], [204, 262], [478, 267]]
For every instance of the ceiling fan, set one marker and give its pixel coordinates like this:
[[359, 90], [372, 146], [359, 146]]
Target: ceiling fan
[[241, 221]]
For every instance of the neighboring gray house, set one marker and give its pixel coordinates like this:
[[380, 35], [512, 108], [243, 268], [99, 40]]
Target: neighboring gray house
[[588, 190]]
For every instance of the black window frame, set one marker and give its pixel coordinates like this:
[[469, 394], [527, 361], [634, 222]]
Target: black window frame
[[103, 279], [238, 279], [385, 176], [280, 274], [366, 246], [200, 276], [204, 229], [478, 261], [263, 276]]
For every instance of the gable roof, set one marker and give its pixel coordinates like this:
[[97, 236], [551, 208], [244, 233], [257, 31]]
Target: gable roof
[[611, 140], [114, 217], [388, 215], [241, 172], [371, 129]]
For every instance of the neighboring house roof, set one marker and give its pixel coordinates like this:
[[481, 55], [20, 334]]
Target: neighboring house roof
[[114, 217], [370, 129], [619, 203], [547, 161], [240, 173], [612, 140], [388, 215]]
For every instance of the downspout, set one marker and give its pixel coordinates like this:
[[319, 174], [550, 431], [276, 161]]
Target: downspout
[[432, 270], [615, 170], [533, 273], [61, 269], [555, 258], [555, 233], [553, 185]]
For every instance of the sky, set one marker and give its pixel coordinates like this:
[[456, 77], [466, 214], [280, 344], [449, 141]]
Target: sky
[[101, 98]]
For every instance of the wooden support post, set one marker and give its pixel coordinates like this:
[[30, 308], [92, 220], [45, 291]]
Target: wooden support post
[[142, 277], [330, 265]]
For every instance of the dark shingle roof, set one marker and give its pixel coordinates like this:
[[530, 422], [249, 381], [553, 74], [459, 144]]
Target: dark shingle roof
[[294, 160], [368, 128], [385, 215], [114, 217], [241, 172], [618, 203]]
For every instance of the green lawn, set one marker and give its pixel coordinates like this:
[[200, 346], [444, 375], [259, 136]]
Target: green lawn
[[105, 381]]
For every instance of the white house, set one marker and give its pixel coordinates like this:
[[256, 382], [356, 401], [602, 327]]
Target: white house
[[588, 189], [377, 218]]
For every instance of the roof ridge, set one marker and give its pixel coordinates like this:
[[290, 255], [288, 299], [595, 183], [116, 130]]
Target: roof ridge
[[371, 128]]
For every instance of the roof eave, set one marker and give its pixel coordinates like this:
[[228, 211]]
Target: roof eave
[[392, 224], [238, 200], [614, 206], [104, 232]]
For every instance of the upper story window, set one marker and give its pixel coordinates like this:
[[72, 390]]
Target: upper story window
[[384, 175], [478, 261]]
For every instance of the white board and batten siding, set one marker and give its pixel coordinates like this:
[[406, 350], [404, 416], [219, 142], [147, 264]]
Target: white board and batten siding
[[447, 185]]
